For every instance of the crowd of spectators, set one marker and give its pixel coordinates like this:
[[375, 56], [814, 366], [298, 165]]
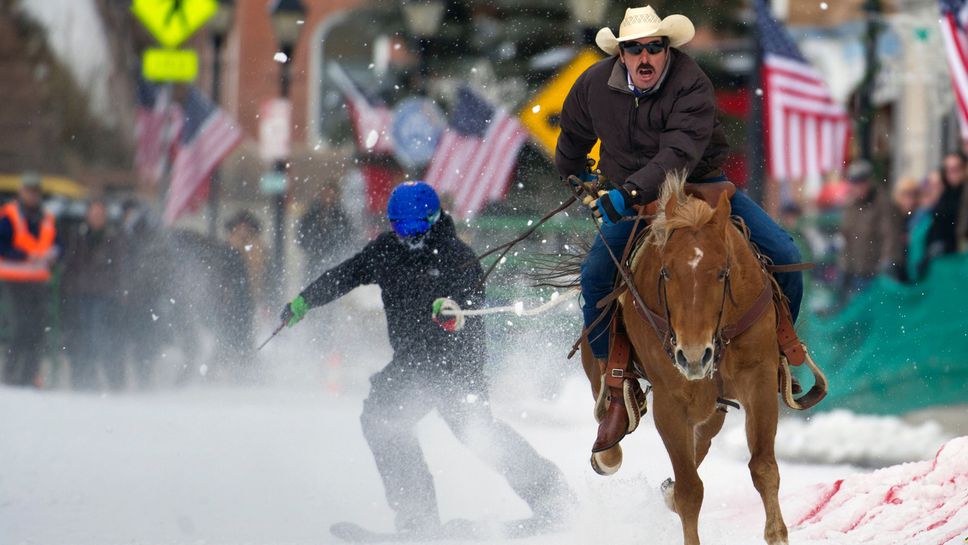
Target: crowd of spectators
[[864, 227], [115, 293]]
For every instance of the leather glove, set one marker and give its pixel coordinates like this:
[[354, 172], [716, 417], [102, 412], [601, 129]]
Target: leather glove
[[294, 311], [611, 206]]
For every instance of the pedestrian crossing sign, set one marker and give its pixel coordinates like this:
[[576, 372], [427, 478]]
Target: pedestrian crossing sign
[[173, 21]]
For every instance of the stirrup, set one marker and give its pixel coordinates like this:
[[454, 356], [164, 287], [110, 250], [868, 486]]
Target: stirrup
[[809, 399], [634, 398]]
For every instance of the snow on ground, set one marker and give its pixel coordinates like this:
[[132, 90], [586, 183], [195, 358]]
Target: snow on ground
[[280, 464]]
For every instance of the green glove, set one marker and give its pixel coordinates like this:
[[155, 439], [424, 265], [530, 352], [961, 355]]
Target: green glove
[[294, 311]]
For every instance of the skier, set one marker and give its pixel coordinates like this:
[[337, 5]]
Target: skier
[[434, 366]]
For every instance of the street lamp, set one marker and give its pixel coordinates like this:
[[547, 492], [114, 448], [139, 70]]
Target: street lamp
[[287, 19], [219, 26], [422, 18]]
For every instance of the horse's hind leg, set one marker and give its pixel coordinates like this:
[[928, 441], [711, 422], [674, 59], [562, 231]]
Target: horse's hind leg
[[761, 418], [679, 438]]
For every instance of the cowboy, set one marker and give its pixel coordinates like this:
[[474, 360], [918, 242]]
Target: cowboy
[[28, 249], [434, 365], [654, 111]]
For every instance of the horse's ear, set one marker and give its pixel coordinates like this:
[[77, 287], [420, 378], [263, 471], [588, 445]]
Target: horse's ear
[[722, 210]]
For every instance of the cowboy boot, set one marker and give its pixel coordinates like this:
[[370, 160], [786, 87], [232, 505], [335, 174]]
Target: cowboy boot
[[615, 420], [622, 395]]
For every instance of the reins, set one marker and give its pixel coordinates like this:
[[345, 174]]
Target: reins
[[506, 247]]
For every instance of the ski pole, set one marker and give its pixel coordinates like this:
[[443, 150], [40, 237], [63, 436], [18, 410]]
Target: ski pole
[[274, 333]]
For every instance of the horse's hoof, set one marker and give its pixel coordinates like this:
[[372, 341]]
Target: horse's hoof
[[668, 489], [603, 468]]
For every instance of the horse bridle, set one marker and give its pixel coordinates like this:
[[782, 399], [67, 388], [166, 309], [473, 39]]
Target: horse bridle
[[669, 339], [723, 335]]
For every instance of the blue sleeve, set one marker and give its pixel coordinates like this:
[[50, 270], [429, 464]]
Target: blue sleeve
[[6, 240]]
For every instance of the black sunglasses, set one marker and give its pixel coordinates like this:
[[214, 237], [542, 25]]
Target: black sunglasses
[[636, 48]]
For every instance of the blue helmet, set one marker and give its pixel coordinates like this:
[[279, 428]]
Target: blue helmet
[[413, 208]]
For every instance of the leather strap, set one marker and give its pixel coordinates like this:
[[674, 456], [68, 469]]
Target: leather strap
[[619, 355], [615, 294], [750, 317], [786, 335], [792, 267]]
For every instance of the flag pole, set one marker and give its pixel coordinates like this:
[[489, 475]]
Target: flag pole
[[756, 169], [872, 10]]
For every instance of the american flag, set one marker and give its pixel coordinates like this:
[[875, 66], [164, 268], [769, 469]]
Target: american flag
[[954, 19], [371, 120], [158, 125], [209, 135], [807, 133], [476, 154]]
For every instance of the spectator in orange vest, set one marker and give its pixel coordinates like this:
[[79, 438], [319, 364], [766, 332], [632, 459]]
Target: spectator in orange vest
[[28, 249]]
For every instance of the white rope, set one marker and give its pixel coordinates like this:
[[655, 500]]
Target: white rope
[[449, 307]]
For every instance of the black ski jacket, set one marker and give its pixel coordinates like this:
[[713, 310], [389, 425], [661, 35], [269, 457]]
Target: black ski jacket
[[411, 279]]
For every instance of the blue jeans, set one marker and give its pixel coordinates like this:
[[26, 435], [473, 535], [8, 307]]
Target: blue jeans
[[598, 271]]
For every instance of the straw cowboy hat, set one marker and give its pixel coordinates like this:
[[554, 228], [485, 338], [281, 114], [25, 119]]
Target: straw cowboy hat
[[643, 23]]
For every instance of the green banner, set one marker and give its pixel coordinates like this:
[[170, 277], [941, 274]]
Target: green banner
[[896, 347]]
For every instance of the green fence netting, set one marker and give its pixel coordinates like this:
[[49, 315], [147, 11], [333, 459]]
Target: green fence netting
[[895, 347]]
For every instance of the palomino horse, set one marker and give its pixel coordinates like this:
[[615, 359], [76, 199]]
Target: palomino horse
[[699, 280]]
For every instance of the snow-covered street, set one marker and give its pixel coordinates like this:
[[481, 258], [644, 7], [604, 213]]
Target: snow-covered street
[[281, 464]]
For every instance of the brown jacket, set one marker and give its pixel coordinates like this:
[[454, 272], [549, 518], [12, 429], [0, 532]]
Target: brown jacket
[[866, 227], [643, 138]]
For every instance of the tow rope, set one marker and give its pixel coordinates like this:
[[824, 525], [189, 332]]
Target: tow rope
[[449, 308]]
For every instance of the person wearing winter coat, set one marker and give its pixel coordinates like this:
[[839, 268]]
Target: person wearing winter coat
[[434, 365]]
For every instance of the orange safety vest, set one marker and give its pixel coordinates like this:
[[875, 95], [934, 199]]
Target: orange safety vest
[[36, 267]]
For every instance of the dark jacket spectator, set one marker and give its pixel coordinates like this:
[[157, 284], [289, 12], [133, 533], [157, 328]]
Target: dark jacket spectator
[[865, 220], [244, 230], [322, 232], [942, 237], [91, 296], [904, 203], [92, 257]]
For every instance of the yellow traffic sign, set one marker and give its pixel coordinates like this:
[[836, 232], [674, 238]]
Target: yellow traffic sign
[[541, 115], [173, 21], [164, 65]]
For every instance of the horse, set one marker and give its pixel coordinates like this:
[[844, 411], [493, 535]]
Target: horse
[[705, 338]]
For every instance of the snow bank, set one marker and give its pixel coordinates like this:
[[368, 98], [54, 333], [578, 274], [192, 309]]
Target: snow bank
[[842, 437], [923, 503]]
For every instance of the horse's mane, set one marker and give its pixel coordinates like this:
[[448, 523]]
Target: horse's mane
[[689, 212]]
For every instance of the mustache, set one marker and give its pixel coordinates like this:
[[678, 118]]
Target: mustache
[[645, 65]]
